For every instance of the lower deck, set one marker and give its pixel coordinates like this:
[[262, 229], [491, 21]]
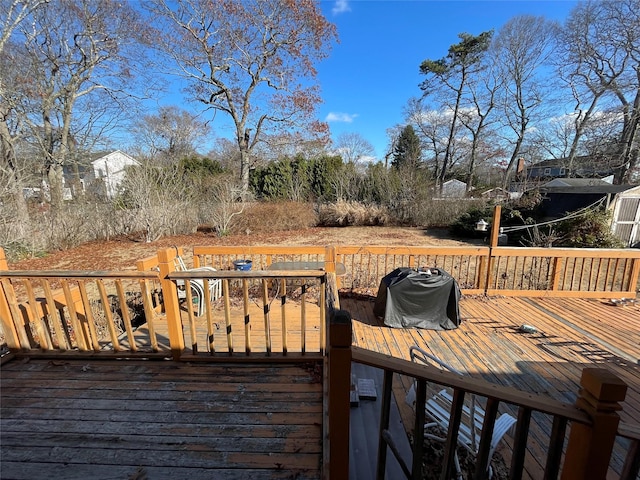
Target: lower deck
[[133, 419], [570, 334]]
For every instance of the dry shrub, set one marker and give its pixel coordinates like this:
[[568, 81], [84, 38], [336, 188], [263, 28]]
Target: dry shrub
[[443, 212], [343, 214], [275, 217]]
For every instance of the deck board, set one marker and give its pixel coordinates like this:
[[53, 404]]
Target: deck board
[[571, 334], [117, 419]]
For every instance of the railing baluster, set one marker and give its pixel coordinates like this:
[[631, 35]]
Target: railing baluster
[[44, 341], [108, 315], [384, 424], [75, 323], [88, 315], [418, 430], [631, 467], [267, 321], [520, 443], [452, 435], [208, 315], [149, 313], [227, 314], [62, 333], [323, 314], [283, 310], [384, 436], [126, 319], [482, 459], [556, 444], [303, 318], [190, 316], [247, 318]]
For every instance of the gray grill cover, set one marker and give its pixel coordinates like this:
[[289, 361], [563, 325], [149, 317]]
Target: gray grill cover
[[409, 298]]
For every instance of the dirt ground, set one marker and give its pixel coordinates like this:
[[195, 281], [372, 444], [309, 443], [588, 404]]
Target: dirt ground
[[121, 254]]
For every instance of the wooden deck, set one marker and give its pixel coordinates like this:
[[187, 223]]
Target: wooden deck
[[571, 334], [78, 419], [74, 419]]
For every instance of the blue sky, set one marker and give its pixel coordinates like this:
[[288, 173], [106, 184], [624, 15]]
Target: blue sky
[[373, 71]]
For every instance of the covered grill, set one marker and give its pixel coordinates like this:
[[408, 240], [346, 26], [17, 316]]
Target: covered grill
[[426, 298]]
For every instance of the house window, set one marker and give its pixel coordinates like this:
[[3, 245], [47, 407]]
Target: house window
[[562, 171], [547, 171]]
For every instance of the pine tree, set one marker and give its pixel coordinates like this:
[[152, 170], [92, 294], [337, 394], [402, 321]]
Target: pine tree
[[407, 153]]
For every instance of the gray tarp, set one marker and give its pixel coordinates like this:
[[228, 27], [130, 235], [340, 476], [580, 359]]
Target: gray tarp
[[410, 298]]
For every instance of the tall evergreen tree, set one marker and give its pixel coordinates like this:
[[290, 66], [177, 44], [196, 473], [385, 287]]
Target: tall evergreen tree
[[407, 153]]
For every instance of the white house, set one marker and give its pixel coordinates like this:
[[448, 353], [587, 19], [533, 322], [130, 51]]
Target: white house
[[101, 173], [111, 169]]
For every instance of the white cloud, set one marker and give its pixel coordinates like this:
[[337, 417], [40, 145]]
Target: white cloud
[[340, 117], [340, 6]]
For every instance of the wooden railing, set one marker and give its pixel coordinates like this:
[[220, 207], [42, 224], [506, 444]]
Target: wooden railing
[[82, 312], [366, 266], [268, 313], [222, 257], [563, 272], [593, 421], [580, 272]]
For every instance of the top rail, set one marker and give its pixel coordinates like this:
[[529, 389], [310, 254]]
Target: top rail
[[511, 395], [77, 274], [237, 274]]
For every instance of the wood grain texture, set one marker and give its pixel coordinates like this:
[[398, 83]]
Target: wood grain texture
[[118, 419]]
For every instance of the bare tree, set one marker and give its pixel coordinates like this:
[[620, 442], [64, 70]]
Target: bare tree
[[75, 49], [252, 61], [433, 127], [171, 134], [597, 45], [156, 201], [521, 48], [353, 147], [475, 116], [222, 207], [13, 13]]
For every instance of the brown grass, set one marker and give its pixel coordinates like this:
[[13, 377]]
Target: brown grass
[[346, 214], [268, 217]]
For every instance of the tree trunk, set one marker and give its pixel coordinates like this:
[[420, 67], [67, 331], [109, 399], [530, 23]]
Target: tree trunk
[[629, 141], [56, 186], [245, 160], [8, 159], [512, 161]]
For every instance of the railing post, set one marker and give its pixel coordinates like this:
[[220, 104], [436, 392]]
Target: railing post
[[330, 262], [166, 265], [590, 446], [339, 357], [495, 226], [6, 317], [493, 242]]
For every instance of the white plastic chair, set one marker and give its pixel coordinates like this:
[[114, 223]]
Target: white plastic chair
[[197, 285], [438, 410]]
